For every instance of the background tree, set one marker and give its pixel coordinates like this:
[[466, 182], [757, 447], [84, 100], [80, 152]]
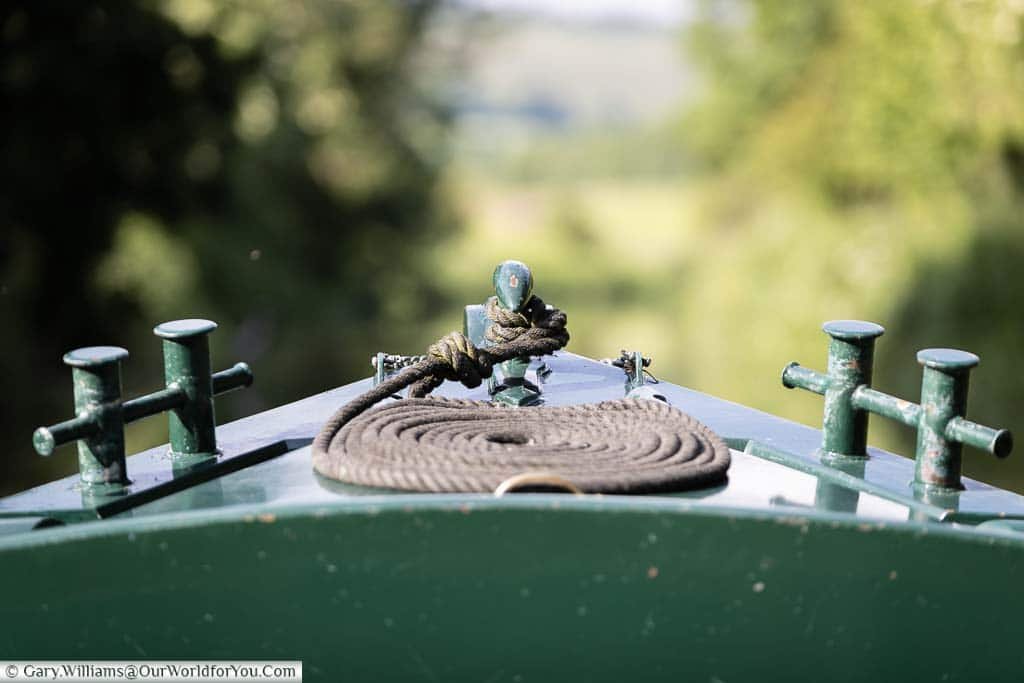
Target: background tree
[[862, 159], [266, 165]]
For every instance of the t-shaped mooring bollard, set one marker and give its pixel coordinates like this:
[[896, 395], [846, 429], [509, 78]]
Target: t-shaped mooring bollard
[[99, 425], [101, 415], [939, 419]]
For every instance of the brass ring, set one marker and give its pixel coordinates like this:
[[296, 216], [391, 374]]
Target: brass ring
[[536, 482]]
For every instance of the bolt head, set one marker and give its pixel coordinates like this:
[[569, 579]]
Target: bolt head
[[95, 356], [183, 329], [513, 283], [948, 360], [43, 441], [852, 330]]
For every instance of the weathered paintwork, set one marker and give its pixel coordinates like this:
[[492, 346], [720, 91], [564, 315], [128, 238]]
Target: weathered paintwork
[[513, 288], [798, 567], [99, 424], [102, 415], [513, 284], [850, 359], [525, 588], [944, 382], [941, 426]]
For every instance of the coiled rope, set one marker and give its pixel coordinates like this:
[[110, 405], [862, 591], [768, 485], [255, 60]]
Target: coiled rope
[[439, 444]]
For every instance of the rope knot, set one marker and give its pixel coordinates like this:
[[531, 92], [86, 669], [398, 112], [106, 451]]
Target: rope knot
[[537, 330], [507, 325], [462, 361]]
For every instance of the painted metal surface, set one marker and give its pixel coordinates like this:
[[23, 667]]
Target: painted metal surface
[[939, 420], [795, 561], [102, 415], [525, 588], [99, 424], [850, 359], [513, 288], [571, 380], [513, 284], [754, 483], [192, 426], [819, 557]]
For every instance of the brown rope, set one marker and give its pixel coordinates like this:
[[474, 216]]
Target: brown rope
[[442, 444], [436, 444], [537, 331]]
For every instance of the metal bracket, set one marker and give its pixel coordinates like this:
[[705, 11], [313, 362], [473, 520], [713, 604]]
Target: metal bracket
[[387, 364], [638, 377]]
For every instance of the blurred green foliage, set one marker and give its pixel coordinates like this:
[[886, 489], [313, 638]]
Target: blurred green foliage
[[838, 160], [277, 167], [861, 160], [268, 165]]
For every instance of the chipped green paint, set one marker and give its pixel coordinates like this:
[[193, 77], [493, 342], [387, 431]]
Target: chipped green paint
[[850, 358], [513, 283], [941, 428], [101, 414], [96, 373], [513, 288]]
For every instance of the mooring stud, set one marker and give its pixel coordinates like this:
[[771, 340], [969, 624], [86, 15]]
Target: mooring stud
[[851, 354], [101, 415], [98, 425], [942, 428], [192, 424], [939, 419], [513, 292]]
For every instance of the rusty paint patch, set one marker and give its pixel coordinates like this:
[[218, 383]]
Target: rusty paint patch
[[652, 572], [793, 521], [267, 517]]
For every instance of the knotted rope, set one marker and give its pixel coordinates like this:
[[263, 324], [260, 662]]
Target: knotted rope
[[438, 444]]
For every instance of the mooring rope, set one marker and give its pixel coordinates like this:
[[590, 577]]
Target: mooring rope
[[443, 444], [439, 444]]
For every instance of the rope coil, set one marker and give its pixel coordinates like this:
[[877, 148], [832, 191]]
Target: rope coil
[[449, 445], [456, 445]]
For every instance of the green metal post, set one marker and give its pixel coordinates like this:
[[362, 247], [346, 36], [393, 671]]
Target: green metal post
[[850, 358], [941, 427], [187, 369], [99, 424], [101, 414], [849, 399]]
